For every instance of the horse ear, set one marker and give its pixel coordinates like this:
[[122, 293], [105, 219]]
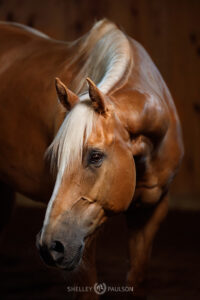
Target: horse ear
[[66, 97], [97, 98]]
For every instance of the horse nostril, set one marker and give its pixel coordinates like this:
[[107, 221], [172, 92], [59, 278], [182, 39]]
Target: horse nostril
[[57, 251], [80, 248], [57, 246]]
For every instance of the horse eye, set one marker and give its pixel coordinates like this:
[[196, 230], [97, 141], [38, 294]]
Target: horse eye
[[96, 158]]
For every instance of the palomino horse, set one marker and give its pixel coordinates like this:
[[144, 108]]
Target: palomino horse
[[109, 131]]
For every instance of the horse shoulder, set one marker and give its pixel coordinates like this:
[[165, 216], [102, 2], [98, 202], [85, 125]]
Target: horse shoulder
[[147, 108]]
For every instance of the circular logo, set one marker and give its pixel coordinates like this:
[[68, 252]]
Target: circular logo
[[100, 288]]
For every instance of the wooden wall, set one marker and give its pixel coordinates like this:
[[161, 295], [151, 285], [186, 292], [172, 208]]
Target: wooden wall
[[169, 30]]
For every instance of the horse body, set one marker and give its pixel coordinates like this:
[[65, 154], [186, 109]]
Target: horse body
[[28, 108], [134, 116]]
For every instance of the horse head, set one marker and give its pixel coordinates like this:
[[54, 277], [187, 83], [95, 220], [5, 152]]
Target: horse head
[[95, 174]]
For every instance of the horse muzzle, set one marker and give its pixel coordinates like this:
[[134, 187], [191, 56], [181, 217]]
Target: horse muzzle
[[61, 243], [57, 253]]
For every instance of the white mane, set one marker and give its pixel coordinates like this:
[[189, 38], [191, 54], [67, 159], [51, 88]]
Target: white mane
[[108, 58], [66, 148]]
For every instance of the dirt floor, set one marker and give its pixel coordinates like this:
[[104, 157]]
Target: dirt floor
[[174, 271]]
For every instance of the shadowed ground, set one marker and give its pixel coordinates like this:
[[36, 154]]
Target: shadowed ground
[[174, 271]]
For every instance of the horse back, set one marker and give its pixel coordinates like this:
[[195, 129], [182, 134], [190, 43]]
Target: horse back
[[28, 65]]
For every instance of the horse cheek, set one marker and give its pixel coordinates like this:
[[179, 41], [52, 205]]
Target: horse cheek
[[123, 186]]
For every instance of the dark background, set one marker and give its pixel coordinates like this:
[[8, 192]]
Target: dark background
[[170, 32]]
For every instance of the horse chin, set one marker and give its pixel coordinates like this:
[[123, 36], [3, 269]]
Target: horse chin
[[70, 268], [71, 265]]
